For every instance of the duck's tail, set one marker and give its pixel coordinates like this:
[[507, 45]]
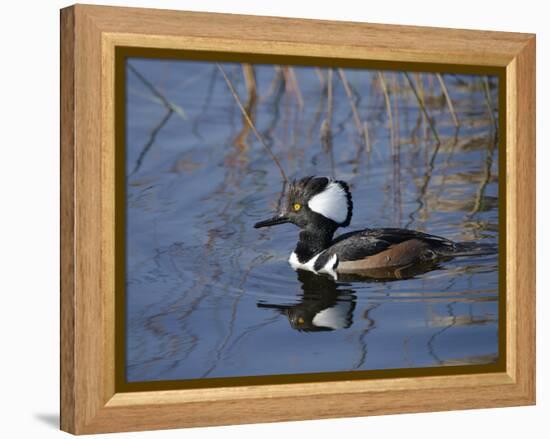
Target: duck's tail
[[470, 249]]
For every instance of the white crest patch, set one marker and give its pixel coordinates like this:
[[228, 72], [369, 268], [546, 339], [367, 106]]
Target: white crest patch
[[332, 203], [335, 317]]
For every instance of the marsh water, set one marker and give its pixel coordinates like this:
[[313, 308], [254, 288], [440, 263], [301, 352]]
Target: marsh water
[[207, 295]]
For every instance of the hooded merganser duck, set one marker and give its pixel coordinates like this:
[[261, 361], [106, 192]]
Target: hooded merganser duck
[[320, 205]]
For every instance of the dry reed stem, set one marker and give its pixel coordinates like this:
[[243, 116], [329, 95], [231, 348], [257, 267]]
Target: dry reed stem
[[388, 109], [488, 101], [251, 88], [151, 141], [361, 127], [277, 78], [330, 103], [486, 176], [161, 98], [422, 107], [423, 189], [448, 99], [320, 76], [398, 205], [170, 110], [395, 99], [295, 86], [367, 138], [326, 126], [252, 126]]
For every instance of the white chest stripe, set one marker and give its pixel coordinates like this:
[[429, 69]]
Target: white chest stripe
[[328, 268], [332, 203], [293, 260]]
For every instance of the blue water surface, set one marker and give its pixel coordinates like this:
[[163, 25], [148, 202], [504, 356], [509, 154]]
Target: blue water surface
[[207, 295]]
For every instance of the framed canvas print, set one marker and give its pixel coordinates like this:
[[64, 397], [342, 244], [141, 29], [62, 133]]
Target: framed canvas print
[[269, 219]]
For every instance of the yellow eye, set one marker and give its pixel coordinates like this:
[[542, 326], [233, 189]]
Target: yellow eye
[[297, 206], [300, 320]]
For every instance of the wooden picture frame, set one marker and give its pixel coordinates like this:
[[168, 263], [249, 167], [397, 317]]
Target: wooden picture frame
[[90, 400]]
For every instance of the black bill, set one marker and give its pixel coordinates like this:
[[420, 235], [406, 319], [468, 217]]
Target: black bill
[[272, 222]]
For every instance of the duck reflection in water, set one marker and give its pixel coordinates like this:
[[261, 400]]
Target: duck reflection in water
[[324, 305]]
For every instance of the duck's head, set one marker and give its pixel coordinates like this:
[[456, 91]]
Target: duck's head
[[315, 203]]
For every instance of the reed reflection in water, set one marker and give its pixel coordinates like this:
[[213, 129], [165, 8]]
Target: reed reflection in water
[[209, 296]]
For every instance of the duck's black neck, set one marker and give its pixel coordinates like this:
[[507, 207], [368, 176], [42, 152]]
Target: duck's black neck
[[312, 242]]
